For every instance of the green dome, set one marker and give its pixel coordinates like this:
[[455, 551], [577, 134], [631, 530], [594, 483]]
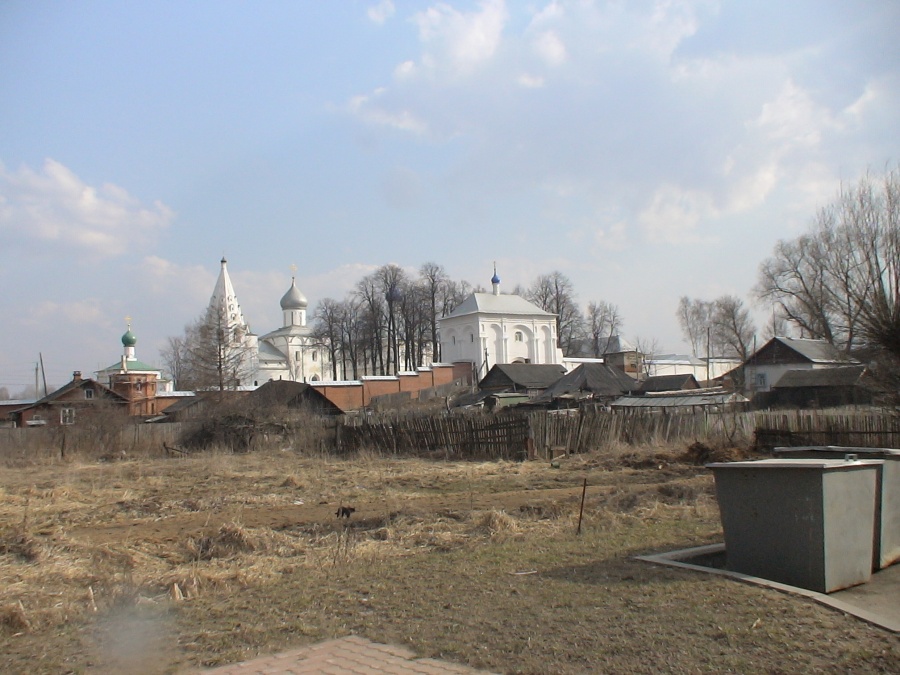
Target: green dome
[[129, 339]]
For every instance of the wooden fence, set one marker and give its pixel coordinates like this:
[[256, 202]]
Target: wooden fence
[[459, 437], [509, 435], [828, 427]]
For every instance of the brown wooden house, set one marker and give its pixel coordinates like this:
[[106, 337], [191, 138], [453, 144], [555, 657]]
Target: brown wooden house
[[69, 404]]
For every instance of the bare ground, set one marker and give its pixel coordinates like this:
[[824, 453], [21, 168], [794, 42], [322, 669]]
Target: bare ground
[[158, 565]]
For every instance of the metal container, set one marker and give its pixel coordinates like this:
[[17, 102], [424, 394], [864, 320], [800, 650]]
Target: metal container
[[802, 522], [887, 517]]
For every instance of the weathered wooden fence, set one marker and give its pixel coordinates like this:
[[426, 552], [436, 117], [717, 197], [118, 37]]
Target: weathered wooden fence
[[510, 435], [505, 436], [462, 437], [53, 442], [828, 427]]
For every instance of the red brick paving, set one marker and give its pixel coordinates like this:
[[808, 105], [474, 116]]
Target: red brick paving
[[351, 655]]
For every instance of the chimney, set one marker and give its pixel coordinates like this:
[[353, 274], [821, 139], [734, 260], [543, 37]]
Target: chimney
[[76, 376]]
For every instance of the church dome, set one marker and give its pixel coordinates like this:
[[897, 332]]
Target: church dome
[[495, 279], [129, 339], [293, 299]]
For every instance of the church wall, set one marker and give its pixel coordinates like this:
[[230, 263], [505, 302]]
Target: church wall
[[354, 395]]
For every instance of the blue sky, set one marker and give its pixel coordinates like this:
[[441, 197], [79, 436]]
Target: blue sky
[[647, 149]]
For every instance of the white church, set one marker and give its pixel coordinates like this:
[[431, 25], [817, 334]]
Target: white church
[[491, 328], [286, 353]]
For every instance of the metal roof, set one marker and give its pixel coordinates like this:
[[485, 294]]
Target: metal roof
[[680, 400], [488, 303]]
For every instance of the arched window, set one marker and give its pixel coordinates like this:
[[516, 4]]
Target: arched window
[[314, 356], [453, 339], [519, 336], [471, 337]]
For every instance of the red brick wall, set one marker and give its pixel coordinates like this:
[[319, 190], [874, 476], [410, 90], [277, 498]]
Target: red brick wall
[[412, 383], [379, 388], [346, 397]]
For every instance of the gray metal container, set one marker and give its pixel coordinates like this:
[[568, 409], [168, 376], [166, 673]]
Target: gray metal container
[[803, 522], [887, 517]]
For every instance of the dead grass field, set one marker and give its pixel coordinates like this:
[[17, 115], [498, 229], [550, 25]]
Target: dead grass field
[[157, 565]]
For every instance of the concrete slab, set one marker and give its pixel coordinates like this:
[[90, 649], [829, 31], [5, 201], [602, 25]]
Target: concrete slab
[[876, 602], [351, 655]]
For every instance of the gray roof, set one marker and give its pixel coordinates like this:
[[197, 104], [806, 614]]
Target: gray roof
[[814, 351], [817, 351], [599, 379], [488, 303], [528, 375], [669, 383], [821, 377], [685, 399]]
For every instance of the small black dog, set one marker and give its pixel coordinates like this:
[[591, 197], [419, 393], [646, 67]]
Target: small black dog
[[344, 511]]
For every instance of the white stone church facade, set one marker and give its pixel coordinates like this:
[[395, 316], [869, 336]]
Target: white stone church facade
[[491, 328], [286, 353]]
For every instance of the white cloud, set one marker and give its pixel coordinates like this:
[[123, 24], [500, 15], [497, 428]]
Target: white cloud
[[674, 213], [79, 313], [405, 70], [54, 207], [459, 41], [550, 48], [793, 118], [381, 12], [612, 238], [530, 81], [369, 109]]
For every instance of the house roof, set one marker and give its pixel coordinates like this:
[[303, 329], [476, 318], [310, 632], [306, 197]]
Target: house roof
[[846, 376], [808, 351], [488, 303], [528, 375], [669, 383], [683, 399], [75, 384], [131, 365], [598, 378], [289, 393]]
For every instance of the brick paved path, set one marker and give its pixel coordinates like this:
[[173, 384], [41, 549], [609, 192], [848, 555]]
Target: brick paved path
[[345, 656]]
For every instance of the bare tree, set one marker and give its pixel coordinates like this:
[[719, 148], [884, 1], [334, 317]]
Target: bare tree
[[732, 326], [646, 348], [217, 353], [391, 281], [555, 293], [327, 330], [602, 322], [694, 317], [841, 281], [367, 290], [434, 280], [176, 359]]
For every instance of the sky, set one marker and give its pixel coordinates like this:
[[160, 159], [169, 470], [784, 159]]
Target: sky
[[647, 149]]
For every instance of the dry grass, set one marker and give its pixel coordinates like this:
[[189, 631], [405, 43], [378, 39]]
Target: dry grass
[[163, 565]]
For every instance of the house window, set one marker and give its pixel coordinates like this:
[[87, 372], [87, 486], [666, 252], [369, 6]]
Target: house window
[[519, 336], [89, 394], [139, 386], [760, 380], [67, 416]]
